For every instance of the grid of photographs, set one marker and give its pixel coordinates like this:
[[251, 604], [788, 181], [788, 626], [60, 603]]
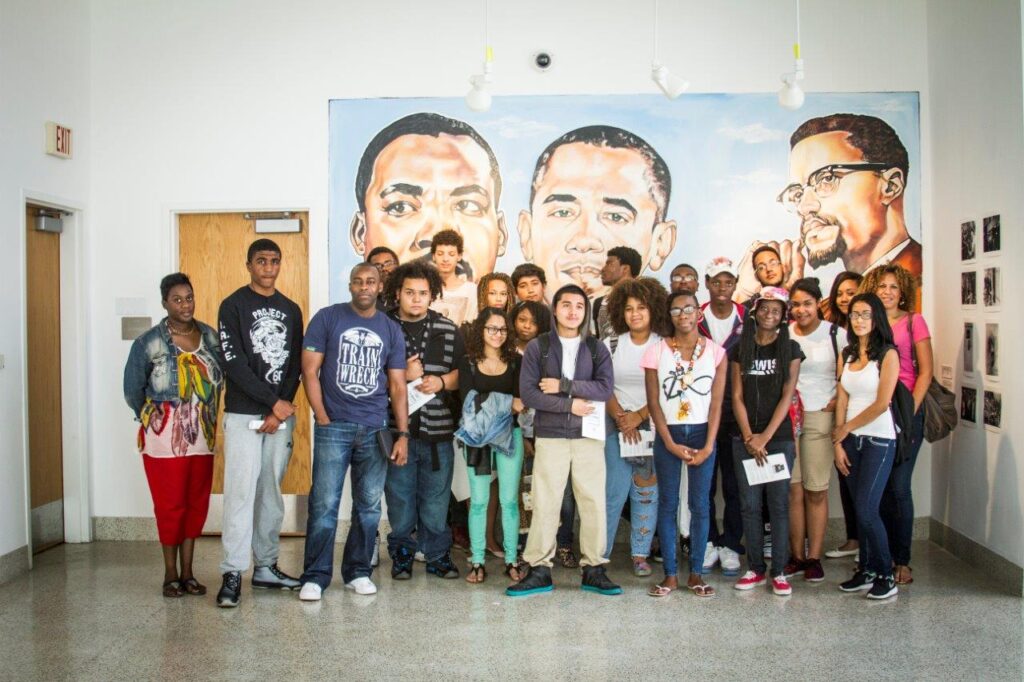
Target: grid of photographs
[[980, 397]]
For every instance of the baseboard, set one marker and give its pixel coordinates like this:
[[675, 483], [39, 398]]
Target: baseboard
[[143, 529], [999, 571], [13, 564]]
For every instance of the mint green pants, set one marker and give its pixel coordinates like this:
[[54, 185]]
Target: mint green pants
[[509, 469]]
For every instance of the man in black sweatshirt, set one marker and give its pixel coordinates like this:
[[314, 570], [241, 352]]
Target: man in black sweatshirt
[[261, 349]]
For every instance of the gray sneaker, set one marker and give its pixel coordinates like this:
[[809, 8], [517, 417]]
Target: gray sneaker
[[273, 578]]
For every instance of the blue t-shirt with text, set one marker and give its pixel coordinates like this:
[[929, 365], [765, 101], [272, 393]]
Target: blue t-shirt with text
[[358, 351]]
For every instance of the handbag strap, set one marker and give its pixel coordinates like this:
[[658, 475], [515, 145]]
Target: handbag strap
[[913, 344]]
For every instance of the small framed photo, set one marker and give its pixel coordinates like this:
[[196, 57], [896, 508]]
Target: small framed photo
[[992, 350], [969, 288], [993, 410], [968, 405], [992, 288], [990, 237], [968, 348], [968, 240]]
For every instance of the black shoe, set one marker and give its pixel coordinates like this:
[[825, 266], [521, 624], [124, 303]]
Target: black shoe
[[443, 567], [536, 581], [401, 564], [861, 580], [596, 580], [273, 578], [883, 588], [231, 590]]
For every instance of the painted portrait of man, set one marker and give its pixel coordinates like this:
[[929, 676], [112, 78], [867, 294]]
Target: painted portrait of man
[[595, 188], [424, 173]]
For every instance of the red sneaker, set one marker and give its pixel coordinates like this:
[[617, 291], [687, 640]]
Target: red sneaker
[[781, 586], [750, 580], [813, 572], [794, 567]]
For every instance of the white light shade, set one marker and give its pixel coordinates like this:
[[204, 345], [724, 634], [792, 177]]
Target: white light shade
[[672, 86], [478, 98], [791, 95]]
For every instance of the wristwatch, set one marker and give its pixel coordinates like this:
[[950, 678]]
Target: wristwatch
[[403, 434]]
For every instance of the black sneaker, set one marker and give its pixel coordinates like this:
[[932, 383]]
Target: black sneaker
[[443, 567], [861, 580], [401, 564], [537, 580], [230, 591], [596, 580], [273, 578], [883, 588]]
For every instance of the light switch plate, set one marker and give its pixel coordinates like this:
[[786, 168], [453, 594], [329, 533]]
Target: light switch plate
[[947, 373]]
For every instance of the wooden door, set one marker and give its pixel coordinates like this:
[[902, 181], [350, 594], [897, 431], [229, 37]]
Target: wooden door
[[212, 249], [45, 435]]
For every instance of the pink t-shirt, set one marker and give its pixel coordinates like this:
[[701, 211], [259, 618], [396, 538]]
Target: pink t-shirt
[[901, 335]]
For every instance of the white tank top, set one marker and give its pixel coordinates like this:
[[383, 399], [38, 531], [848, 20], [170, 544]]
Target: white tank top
[[862, 387]]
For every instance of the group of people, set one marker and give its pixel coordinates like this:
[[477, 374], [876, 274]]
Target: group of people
[[544, 405]]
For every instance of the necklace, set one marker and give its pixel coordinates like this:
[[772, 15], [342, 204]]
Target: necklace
[[685, 375], [181, 332]]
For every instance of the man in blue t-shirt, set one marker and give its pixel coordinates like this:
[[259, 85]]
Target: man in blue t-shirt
[[353, 359]]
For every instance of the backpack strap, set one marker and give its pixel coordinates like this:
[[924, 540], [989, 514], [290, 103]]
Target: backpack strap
[[913, 345], [833, 333]]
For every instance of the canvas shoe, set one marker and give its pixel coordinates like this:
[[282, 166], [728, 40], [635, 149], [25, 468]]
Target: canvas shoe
[[781, 586], [750, 580]]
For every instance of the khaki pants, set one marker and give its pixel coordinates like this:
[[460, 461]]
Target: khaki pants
[[554, 459]]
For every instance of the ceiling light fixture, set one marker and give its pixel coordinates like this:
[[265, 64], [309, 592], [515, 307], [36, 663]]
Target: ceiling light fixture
[[670, 85], [479, 96], [791, 95]]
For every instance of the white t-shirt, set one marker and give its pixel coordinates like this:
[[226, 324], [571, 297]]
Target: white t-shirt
[[458, 304], [690, 403], [720, 329], [862, 387], [629, 375], [570, 349], [817, 381]]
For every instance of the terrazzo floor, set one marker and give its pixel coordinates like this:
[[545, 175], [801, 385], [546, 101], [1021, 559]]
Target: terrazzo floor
[[94, 612]]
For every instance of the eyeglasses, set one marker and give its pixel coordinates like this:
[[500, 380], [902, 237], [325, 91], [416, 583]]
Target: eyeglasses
[[773, 263], [496, 331], [864, 316], [685, 310], [683, 278], [824, 182], [386, 264]]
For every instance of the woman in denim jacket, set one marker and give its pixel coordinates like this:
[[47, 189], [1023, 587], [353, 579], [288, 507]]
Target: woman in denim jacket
[[172, 382]]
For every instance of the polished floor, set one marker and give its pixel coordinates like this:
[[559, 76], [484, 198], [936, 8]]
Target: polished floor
[[94, 612]]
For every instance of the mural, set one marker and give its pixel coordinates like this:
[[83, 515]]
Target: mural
[[557, 181]]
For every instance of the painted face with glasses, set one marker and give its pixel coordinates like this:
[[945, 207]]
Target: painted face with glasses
[[843, 201]]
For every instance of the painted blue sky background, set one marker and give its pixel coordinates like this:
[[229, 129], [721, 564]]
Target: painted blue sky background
[[728, 155]]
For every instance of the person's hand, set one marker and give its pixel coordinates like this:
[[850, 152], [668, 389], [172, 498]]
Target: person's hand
[[550, 385], [517, 406], [842, 461], [431, 384], [270, 425], [757, 444], [792, 256], [840, 433], [629, 421], [581, 407], [746, 282], [283, 409], [631, 436], [400, 452], [322, 419], [413, 368], [527, 448], [682, 452], [700, 456], [831, 407]]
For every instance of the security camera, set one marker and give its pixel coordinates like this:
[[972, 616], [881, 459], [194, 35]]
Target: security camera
[[542, 61]]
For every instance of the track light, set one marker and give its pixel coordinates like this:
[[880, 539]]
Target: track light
[[671, 85], [791, 95]]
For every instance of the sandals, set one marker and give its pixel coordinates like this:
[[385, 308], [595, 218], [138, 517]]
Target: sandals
[[659, 590], [904, 575], [517, 568], [172, 589], [702, 590], [477, 574], [194, 587]]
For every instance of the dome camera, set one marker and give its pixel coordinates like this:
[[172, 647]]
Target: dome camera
[[542, 61]]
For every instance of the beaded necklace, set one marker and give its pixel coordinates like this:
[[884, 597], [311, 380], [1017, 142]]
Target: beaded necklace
[[686, 377]]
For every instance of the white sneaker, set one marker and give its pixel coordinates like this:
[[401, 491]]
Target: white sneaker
[[729, 560], [710, 557], [310, 592], [362, 585], [420, 557]]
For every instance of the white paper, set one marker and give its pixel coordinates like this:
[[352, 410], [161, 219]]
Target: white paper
[[645, 448], [775, 469], [256, 424], [593, 423], [416, 398]]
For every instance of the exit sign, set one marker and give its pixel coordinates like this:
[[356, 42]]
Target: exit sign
[[58, 140]]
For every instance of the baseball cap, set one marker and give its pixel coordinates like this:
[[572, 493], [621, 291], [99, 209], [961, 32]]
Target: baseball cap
[[719, 265], [773, 294]]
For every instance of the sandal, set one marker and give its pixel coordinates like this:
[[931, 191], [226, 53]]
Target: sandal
[[702, 590], [659, 590], [477, 574], [172, 589], [904, 575], [193, 586], [514, 572]]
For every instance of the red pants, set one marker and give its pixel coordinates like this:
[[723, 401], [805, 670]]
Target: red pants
[[181, 495]]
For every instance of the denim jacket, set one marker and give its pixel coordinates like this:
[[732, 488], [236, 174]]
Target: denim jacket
[[152, 367], [487, 422]]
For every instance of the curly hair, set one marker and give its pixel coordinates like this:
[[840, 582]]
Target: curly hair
[[414, 269], [648, 291], [904, 280], [481, 289], [474, 337], [447, 238]]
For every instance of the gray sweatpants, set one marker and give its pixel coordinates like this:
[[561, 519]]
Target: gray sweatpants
[[254, 464]]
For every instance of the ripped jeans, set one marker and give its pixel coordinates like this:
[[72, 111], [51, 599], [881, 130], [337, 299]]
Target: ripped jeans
[[633, 479]]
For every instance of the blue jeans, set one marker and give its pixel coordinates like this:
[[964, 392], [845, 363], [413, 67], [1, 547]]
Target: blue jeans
[[898, 502], [669, 469], [870, 465], [732, 518], [619, 483], [335, 446], [417, 498], [752, 501]]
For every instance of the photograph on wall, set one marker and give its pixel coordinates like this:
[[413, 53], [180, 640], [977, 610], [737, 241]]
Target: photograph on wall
[[992, 350], [992, 288], [968, 240], [968, 405], [990, 238], [968, 358], [993, 410], [557, 181], [969, 288]]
